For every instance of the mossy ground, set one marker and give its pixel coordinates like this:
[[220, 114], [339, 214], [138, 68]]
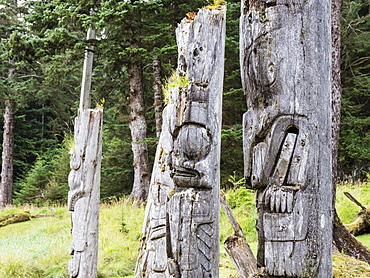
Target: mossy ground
[[347, 267]]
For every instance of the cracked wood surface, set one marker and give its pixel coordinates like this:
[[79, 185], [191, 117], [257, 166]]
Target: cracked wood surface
[[180, 235], [84, 194], [285, 56]]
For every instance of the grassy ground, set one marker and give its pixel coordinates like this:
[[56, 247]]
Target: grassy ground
[[40, 247]]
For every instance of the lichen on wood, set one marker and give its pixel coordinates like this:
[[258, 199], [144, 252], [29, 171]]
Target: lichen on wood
[[362, 223], [14, 218]]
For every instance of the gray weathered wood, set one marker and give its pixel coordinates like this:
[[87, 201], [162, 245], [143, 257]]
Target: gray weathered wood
[[285, 56], [181, 228], [237, 247], [84, 179], [87, 72], [84, 194]]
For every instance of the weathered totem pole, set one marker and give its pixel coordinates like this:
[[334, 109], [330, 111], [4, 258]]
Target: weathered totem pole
[[181, 228], [285, 56], [84, 183]]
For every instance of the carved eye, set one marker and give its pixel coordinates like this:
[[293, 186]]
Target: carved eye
[[75, 162], [194, 142]]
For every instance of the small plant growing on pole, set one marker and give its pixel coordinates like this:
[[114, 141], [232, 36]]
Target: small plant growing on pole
[[181, 230]]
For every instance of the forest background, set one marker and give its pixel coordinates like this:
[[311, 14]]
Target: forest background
[[41, 58]]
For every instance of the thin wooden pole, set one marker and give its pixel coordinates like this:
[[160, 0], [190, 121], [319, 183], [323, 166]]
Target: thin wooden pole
[[87, 72], [84, 179], [237, 246]]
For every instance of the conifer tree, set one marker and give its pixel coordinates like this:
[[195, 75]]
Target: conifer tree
[[16, 75], [354, 142]]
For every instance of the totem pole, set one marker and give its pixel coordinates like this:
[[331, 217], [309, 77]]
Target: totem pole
[[285, 56], [181, 228], [84, 181]]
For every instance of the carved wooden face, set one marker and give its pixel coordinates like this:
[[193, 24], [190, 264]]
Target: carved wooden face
[[75, 179], [191, 146], [193, 142]]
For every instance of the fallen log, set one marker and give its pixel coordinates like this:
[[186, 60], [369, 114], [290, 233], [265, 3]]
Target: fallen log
[[362, 223], [14, 218], [237, 247]]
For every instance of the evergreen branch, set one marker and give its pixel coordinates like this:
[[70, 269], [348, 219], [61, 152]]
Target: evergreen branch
[[32, 75]]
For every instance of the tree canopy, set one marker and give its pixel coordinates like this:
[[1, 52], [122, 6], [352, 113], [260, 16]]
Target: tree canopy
[[45, 41]]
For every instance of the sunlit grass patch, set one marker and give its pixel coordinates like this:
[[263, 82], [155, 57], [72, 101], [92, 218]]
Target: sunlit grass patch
[[119, 239], [34, 248], [40, 247], [348, 210]]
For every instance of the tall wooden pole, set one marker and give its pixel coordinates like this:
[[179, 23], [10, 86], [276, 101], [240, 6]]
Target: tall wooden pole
[[344, 241], [181, 228], [84, 194], [285, 55], [84, 180]]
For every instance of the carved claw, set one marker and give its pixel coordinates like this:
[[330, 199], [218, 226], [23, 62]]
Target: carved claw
[[279, 199]]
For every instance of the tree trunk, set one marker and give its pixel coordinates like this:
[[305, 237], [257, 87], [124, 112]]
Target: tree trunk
[[84, 194], [158, 96], [181, 228], [342, 238], [286, 73], [336, 85], [7, 155], [138, 133], [347, 243]]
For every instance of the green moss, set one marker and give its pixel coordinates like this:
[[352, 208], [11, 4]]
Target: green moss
[[174, 81], [348, 267], [14, 218]]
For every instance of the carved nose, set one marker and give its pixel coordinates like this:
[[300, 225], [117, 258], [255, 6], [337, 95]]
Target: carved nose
[[194, 142]]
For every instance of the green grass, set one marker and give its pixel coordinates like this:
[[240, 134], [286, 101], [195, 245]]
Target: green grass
[[40, 247], [36, 248], [347, 210]]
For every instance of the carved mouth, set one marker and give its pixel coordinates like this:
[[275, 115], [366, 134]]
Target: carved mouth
[[189, 178], [185, 173], [186, 177]]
